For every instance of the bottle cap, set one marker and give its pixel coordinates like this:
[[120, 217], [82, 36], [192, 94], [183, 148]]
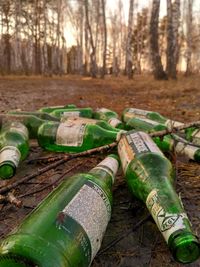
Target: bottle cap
[[185, 248]]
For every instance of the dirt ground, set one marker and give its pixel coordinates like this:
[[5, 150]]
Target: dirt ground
[[178, 100]]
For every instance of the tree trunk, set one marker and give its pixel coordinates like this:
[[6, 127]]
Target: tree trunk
[[158, 71], [129, 49], [93, 69], [105, 38], [173, 12], [189, 38]]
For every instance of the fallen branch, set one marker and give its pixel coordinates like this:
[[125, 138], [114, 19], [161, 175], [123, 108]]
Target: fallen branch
[[55, 164], [53, 183], [10, 198], [175, 129]]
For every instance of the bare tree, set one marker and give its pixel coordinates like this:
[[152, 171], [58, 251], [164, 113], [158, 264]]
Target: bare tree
[[105, 38], [93, 69], [173, 15], [129, 49], [158, 71], [189, 31]]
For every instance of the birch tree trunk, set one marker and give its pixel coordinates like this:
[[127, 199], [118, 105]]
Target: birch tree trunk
[[105, 38], [158, 71], [129, 49], [189, 38], [93, 52], [173, 15]]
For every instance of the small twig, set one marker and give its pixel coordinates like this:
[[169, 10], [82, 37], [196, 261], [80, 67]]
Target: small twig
[[115, 241], [175, 129], [10, 198], [55, 164], [53, 183]]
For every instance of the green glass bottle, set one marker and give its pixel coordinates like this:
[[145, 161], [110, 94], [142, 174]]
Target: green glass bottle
[[144, 124], [52, 108], [72, 137], [30, 121], [150, 176], [14, 148], [38, 114], [80, 120], [192, 133], [108, 115], [67, 228], [130, 113], [72, 112]]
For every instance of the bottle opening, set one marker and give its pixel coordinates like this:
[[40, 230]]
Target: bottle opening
[[186, 249]]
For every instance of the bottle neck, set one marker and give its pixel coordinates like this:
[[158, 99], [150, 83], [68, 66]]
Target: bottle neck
[[107, 169]]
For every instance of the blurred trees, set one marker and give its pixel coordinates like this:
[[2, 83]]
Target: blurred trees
[[35, 37]]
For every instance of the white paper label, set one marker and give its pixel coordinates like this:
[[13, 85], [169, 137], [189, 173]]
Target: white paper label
[[170, 124], [137, 111], [10, 153], [196, 137], [167, 223], [78, 120], [125, 152], [104, 110], [92, 210], [67, 114], [186, 150], [114, 122], [70, 134], [142, 142], [110, 165], [19, 128]]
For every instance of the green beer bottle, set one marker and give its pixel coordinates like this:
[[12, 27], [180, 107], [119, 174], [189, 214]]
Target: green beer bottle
[[72, 112], [168, 142], [14, 148], [50, 109], [150, 175], [30, 121], [67, 228], [192, 133], [80, 120], [108, 115], [72, 137], [144, 124], [38, 114]]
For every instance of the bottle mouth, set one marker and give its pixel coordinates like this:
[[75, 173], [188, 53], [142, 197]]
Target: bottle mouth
[[186, 249], [7, 170]]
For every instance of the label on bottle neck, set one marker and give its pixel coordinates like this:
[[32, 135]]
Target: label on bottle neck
[[19, 128], [104, 110], [109, 165], [90, 208], [10, 153], [79, 120], [70, 134], [67, 114], [170, 124], [167, 222], [196, 137], [186, 150], [114, 122]]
